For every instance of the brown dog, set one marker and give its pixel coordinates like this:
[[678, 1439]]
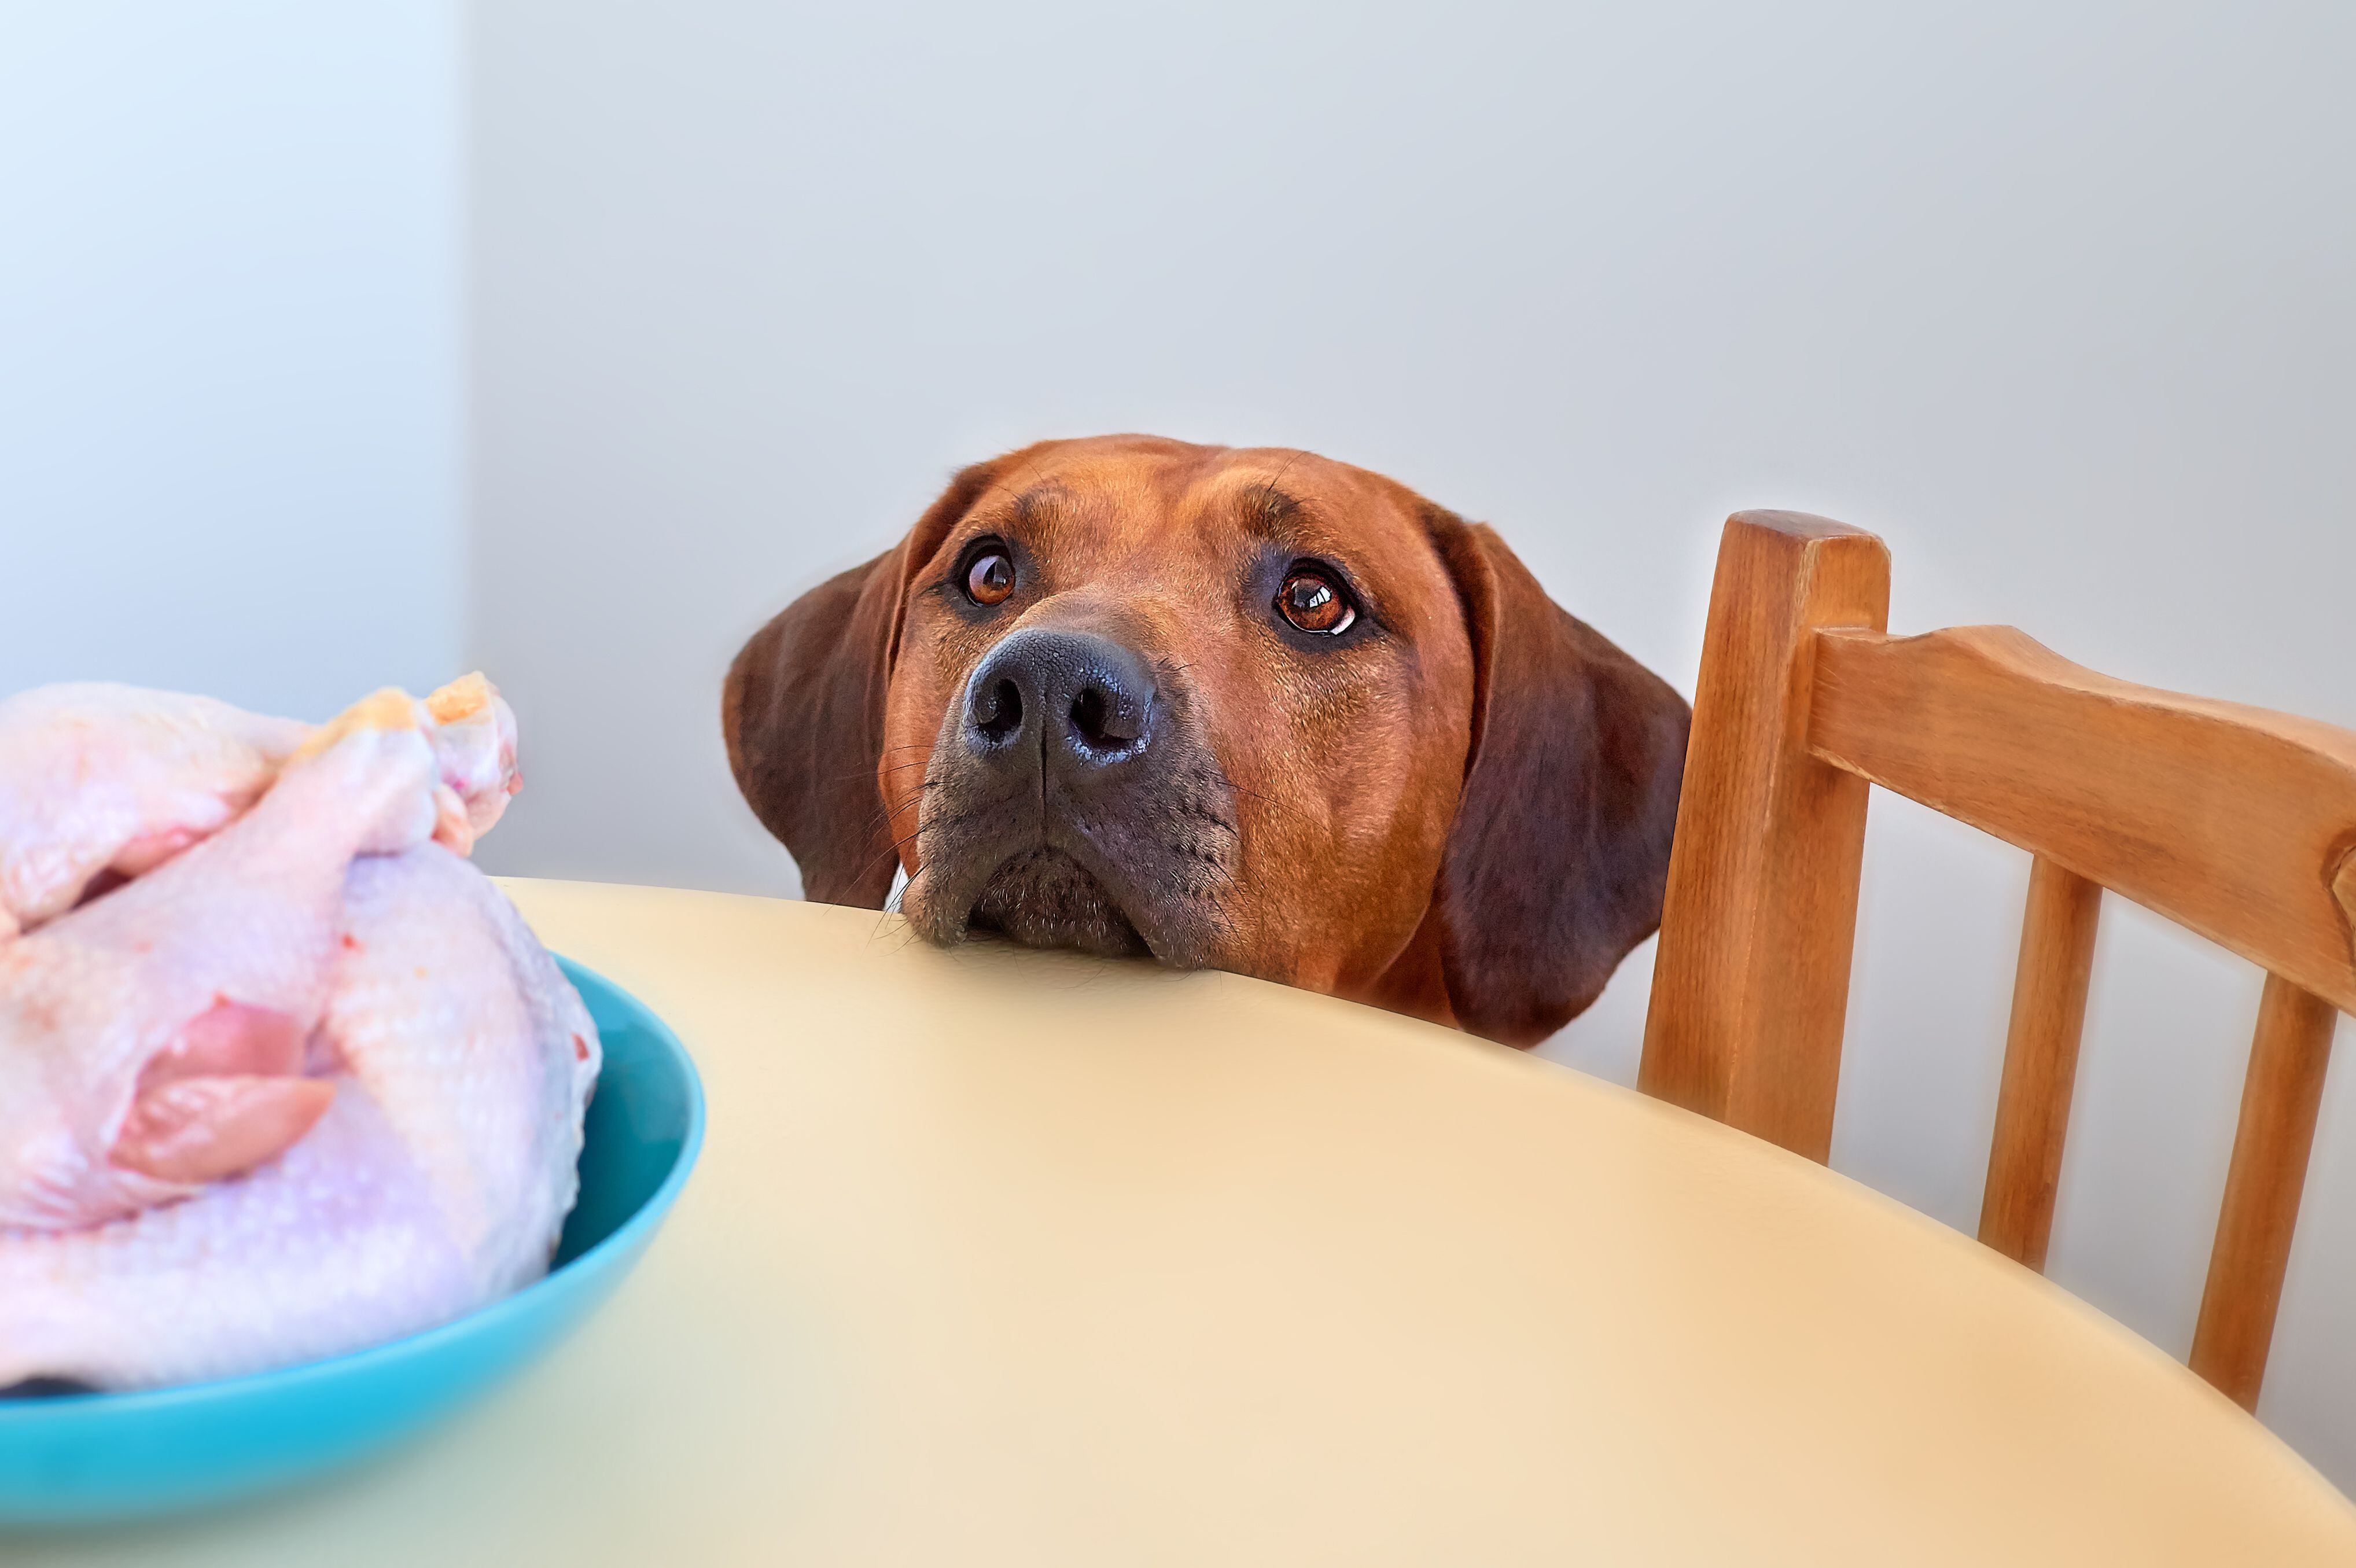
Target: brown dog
[[1254, 710]]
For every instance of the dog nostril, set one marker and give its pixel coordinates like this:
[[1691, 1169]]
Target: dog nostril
[[1088, 718], [997, 711], [1098, 725]]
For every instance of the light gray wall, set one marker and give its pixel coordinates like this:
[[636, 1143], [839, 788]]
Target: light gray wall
[[230, 347], [2056, 298]]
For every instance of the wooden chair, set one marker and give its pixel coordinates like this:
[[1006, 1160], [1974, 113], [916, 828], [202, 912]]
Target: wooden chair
[[2234, 821]]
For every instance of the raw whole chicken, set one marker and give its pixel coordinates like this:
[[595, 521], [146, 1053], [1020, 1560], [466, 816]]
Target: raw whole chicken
[[304, 1081]]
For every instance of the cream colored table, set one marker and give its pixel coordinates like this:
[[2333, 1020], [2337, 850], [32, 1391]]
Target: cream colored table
[[998, 1257]]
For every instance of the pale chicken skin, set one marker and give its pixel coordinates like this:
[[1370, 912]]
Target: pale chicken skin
[[152, 1040], [437, 1180], [308, 1084]]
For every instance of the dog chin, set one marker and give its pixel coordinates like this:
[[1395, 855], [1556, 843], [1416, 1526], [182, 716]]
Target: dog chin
[[1044, 898]]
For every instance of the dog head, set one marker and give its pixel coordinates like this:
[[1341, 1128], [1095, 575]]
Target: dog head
[[1249, 709]]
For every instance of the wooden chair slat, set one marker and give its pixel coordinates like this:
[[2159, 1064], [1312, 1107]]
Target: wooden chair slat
[[2041, 1061], [1751, 980], [2280, 1097], [2231, 821], [2236, 822]]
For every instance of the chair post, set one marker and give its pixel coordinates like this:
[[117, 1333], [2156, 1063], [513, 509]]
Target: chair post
[[2280, 1099], [2041, 1061], [1751, 982]]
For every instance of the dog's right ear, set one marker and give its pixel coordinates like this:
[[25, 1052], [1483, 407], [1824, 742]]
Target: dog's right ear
[[1560, 853], [802, 710]]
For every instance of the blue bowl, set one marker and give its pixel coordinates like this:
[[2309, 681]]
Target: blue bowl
[[74, 1457]]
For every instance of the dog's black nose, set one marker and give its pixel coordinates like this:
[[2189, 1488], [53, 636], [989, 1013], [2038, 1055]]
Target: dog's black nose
[[1075, 692]]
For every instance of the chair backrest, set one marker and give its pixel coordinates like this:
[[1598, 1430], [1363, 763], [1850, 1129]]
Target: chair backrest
[[2235, 823]]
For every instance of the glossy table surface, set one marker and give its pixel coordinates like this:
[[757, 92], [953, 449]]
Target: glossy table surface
[[998, 1257]]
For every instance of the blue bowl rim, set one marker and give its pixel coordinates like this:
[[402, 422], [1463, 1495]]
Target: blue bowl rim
[[647, 1216]]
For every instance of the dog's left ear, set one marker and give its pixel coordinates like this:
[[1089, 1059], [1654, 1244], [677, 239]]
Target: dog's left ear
[[1556, 864]]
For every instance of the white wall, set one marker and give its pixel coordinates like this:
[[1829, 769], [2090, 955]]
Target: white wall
[[230, 342], [2056, 298]]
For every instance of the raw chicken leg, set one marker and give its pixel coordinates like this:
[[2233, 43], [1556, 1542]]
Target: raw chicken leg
[[437, 1180], [151, 1040], [97, 777]]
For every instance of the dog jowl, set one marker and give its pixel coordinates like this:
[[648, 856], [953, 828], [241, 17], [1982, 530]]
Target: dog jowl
[[1248, 709]]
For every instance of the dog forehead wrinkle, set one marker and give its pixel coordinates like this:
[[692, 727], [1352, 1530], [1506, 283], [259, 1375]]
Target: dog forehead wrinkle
[[1038, 515], [1382, 552]]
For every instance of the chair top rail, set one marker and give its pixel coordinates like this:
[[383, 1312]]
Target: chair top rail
[[2235, 821]]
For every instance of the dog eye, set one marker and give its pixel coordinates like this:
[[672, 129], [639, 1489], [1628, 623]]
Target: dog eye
[[990, 576], [1311, 600]]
